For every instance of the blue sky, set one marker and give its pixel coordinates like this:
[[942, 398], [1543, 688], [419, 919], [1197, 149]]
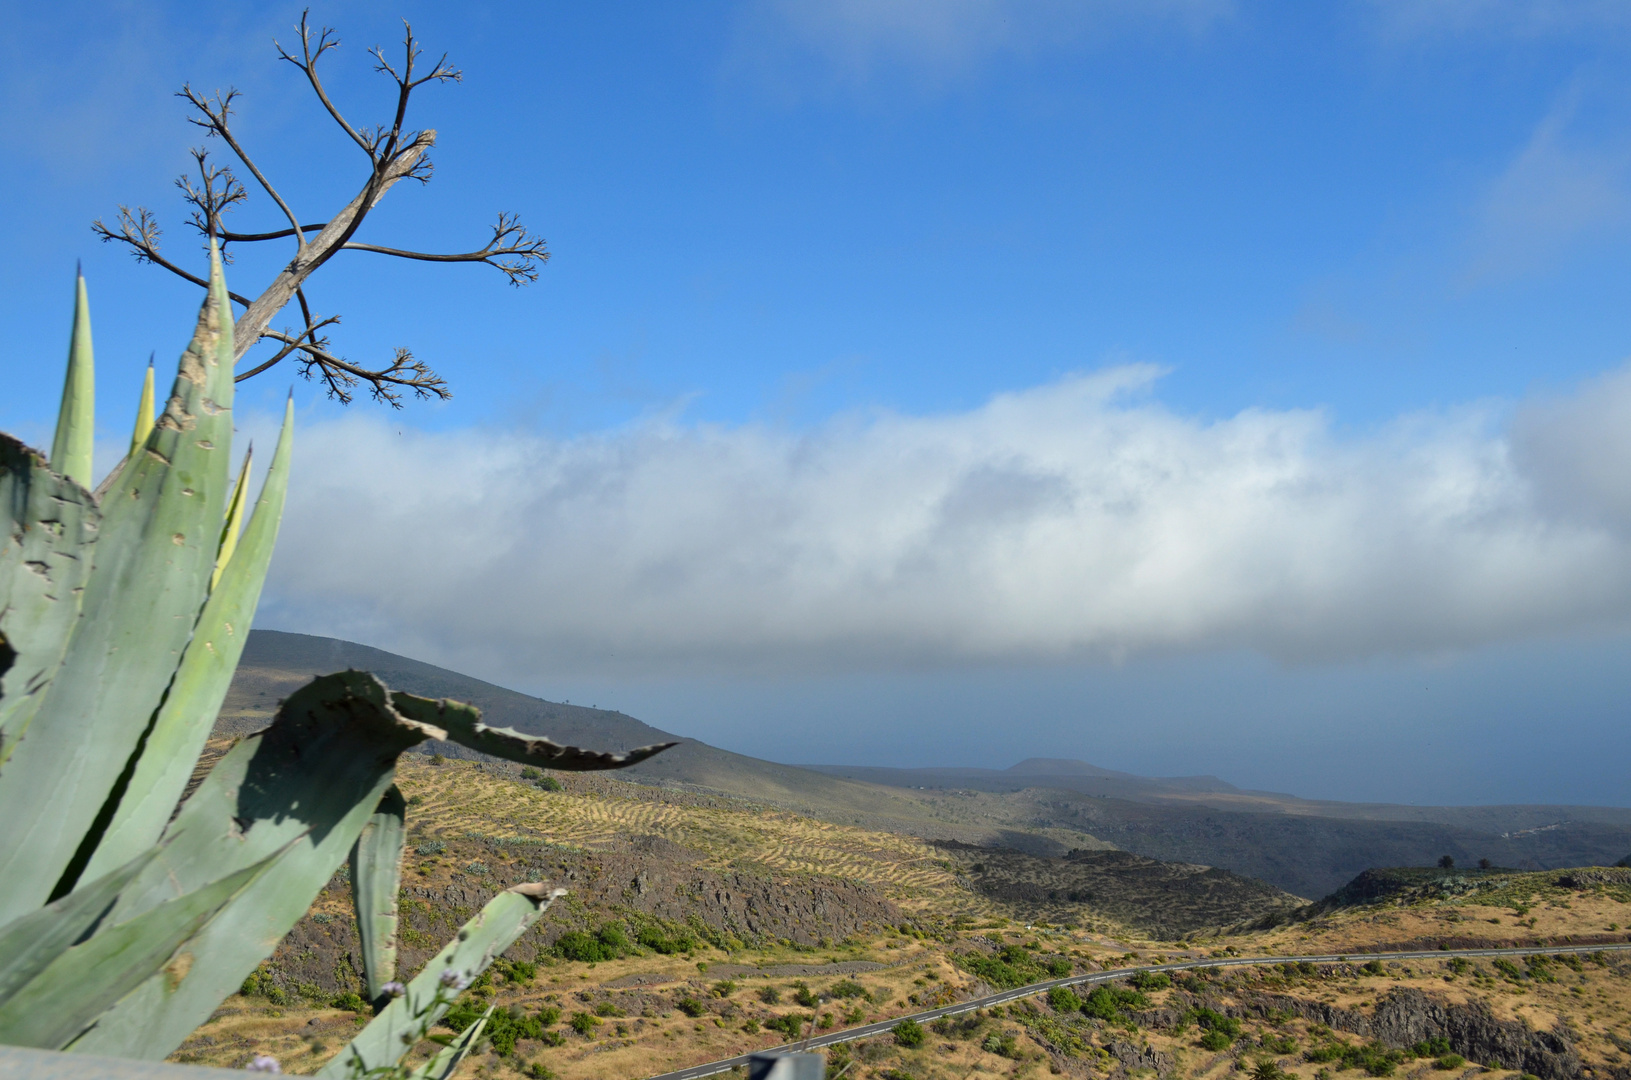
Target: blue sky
[[1182, 386]]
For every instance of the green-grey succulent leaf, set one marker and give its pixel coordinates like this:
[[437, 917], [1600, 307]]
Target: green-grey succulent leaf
[[314, 778], [156, 547], [69, 995], [448, 1059], [76, 419], [391, 1034], [464, 726], [48, 527], [30, 944], [376, 875], [201, 682]]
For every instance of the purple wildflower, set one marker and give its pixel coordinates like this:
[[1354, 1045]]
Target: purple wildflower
[[454, 979], [264, 1063], [394, 989]]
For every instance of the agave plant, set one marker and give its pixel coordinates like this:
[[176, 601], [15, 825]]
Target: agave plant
[[127, 914]]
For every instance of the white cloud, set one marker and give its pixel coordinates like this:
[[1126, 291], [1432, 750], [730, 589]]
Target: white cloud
[[1567, 185], [937, 40], [1074, 521]]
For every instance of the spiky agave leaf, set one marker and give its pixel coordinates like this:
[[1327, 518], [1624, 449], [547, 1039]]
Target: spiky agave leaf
[[391, 1034], [48, 526], [448, 1059], [235, 518], [144, 413], [68, 996], [76, 418], [464, 726], [203, 677], [376, 875], [156, 548], [310, 781], [32, 943]]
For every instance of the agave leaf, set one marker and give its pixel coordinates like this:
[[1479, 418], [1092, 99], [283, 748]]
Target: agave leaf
[[144, 413], [314, 778], [76, 419], [376, 875], [464, 726], [235, 513], [392, 1033], [48, 525], [79, 985], [448, 1059], [201, 682], [30, 944], [157, 544]]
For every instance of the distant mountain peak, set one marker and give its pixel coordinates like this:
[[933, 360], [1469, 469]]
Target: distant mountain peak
[[1049, 766]]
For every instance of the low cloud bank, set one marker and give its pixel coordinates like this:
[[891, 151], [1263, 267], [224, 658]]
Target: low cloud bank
[[1076, 521]]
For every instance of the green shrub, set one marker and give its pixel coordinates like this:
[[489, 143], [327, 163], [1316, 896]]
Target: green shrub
[[770, 995], [1151, 980], [724, 988], [530, 773], [1111, 1002], [584, 1023], [1001, 1044], [1437, 1046], [846, 989], [691, 1007], [1508, 968], [1374, 968], [653, 938], [353, 1001], [792, 1025], [908, 1033], [548, 1015], [537, 1070], [521, 971], [1215, 1040], [607, 1007], [1064, 999], [1449, 1061], [430, 847], [803, 995]]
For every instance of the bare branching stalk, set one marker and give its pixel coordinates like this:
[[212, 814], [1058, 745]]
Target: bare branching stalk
[[394, 153]]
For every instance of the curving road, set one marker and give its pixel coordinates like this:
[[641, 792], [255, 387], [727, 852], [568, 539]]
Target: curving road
[[832, 1038]]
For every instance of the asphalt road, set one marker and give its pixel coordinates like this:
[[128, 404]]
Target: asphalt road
[[832, 1038]]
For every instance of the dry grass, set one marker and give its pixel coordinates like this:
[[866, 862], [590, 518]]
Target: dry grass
[[458, 798]]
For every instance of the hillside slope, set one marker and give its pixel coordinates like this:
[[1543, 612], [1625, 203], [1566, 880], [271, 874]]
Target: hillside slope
[[1044, 807]]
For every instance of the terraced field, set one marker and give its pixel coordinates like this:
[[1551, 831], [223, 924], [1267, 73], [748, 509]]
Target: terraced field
[[457, 799]]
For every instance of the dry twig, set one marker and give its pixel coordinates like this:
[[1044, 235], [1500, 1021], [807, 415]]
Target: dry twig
[[394, 153]]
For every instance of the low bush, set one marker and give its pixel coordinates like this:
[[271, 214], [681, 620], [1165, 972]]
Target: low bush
[[430, 847], [353, 1001], [1449, 1061], [792, 1025], [584, 1023], [1000, 1043], [1151, 980], [691, 1007], [908, 1033], [1064, 999], [803, 995], [1111, 1002], [770, 995], [846, 989]]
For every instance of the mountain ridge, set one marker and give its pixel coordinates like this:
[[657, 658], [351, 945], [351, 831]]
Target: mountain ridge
[[1051, 807]]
